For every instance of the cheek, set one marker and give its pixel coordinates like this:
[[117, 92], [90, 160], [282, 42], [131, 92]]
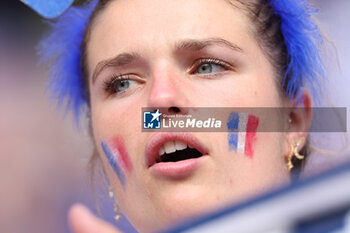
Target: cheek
[[117, 156], [266, 169], [112, 127], [269, 163], [111, 119], [249, 90]]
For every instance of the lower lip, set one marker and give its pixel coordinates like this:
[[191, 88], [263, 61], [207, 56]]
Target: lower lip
[[177, 170]]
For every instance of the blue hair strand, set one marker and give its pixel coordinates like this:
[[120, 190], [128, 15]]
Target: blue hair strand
[[61, 49], [302, 40]]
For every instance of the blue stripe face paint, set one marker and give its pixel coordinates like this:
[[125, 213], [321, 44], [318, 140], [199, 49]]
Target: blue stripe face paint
[[113, 162], [242, 129], [232, 126]]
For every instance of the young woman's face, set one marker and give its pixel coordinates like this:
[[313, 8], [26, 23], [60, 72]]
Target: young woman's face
[[162, 47]]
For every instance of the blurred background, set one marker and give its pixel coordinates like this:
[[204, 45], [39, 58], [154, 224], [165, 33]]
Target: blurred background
[[43, 156]]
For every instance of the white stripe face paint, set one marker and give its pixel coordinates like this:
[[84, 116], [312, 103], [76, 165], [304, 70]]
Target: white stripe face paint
[[243, 119]]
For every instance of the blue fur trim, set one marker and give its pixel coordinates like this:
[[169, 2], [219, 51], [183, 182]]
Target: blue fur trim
[[302, 39], [61, 49]]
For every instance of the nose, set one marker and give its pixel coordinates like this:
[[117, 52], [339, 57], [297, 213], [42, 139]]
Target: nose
[[168, 90]]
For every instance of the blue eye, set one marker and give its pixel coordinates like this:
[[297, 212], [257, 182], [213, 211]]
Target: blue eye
[[208, 66], [121, 84], [205, 68]]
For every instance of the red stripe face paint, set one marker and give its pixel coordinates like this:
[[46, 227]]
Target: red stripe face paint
[[117, 146], [252, 126], [242, 133], [117, 157]]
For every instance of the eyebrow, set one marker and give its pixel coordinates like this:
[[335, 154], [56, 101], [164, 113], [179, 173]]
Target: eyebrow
[[119, 60], [196, 45], [190, 44]]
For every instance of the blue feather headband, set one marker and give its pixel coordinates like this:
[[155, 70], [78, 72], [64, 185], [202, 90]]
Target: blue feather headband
[[62, 47]]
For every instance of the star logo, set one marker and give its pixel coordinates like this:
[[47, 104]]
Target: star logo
[[156, 115]]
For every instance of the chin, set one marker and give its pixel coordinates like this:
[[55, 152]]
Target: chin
[[182, 203]]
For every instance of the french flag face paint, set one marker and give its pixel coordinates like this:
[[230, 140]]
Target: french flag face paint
[[117, 157], [242, 133]]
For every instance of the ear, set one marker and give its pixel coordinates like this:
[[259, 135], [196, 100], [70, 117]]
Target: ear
[[298, 122]]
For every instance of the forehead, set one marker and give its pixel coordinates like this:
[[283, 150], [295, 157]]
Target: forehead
[[156, 25]]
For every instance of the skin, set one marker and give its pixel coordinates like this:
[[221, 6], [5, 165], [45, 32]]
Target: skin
[[165, 76]]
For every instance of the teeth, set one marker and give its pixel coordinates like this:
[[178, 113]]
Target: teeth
[[172, 146], [161, 150], [180, 145], [169, 147]]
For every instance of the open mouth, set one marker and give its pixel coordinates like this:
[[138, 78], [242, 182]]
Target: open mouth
[[175, 151], [174, 155]]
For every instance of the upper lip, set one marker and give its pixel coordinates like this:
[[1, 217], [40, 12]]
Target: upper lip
[[158, 139]]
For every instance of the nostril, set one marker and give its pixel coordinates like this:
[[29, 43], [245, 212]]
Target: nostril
[[174, 110]]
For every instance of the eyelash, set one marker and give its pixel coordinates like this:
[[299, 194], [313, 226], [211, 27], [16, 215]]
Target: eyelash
[[215, 61], [109, 85]]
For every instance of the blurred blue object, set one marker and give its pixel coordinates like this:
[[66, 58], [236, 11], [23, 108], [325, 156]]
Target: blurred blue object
[[48, 8], [320, 204]]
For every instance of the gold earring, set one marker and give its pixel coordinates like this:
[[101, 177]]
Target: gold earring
[[294, 152], [116, 209]]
